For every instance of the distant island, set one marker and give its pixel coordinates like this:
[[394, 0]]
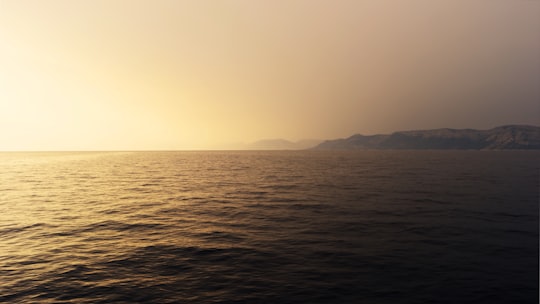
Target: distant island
[[500, 138]]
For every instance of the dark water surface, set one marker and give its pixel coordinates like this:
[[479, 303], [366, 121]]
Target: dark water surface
[[269, 227]]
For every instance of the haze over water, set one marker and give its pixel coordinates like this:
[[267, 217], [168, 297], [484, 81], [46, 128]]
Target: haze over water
[[203, 74], [269, 227]]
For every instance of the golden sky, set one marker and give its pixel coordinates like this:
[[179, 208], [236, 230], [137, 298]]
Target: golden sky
[[199, 74]]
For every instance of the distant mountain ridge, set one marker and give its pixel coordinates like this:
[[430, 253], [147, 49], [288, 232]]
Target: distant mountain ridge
[[283, 144], [500, 138]]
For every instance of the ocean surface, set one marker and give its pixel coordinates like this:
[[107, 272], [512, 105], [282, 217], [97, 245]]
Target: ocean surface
[[270, 227]]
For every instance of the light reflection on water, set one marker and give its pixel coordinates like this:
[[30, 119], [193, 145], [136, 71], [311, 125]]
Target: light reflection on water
[[287, 227]]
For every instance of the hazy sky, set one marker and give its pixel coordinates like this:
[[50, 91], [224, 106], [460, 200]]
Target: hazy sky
[[111, 74]]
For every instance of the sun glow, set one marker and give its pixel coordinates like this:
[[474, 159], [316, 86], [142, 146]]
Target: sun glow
[[194, 74]]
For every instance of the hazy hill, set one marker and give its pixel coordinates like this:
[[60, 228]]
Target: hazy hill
[[504, 137], [282, 144]]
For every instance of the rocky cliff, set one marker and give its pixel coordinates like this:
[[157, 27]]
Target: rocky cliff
[[499, 138]]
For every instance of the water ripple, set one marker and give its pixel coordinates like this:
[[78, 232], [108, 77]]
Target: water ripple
[[269, 227]]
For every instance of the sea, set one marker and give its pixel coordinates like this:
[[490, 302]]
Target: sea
[[270, 227]]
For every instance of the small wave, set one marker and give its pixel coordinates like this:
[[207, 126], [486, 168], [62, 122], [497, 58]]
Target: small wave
[[18, 229]]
